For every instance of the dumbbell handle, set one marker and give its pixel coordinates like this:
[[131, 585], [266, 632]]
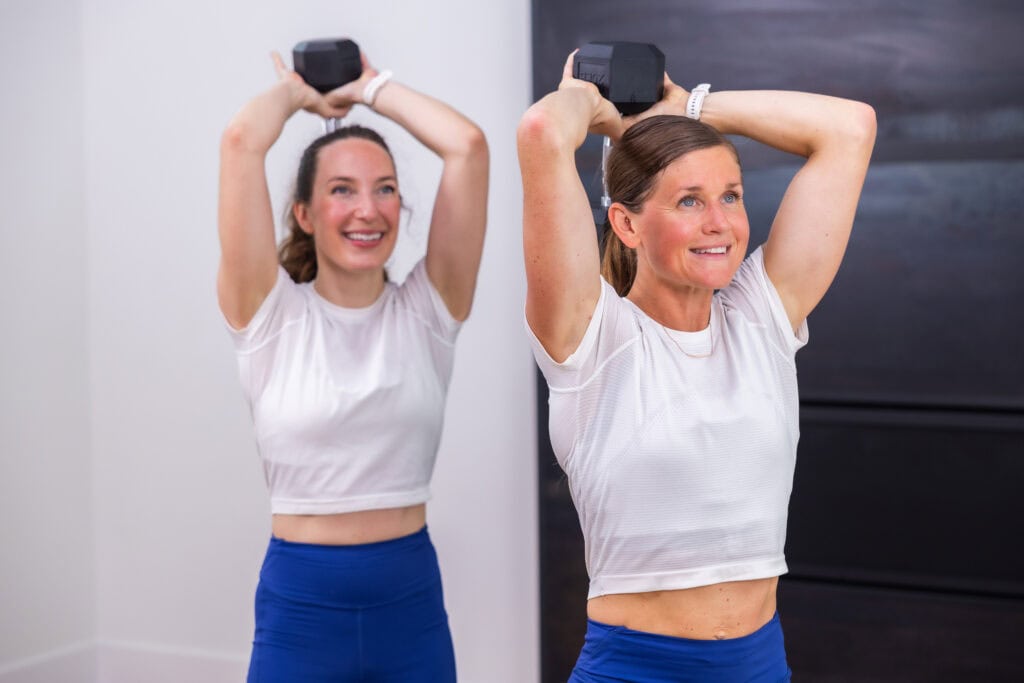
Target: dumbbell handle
[[606, 147]]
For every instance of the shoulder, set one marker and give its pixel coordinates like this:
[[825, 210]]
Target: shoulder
[[418, 296], [285, 303], [753, 296], [613, 326]]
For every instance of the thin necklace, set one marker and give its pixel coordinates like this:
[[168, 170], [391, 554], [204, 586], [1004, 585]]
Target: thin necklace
[[711, 349]]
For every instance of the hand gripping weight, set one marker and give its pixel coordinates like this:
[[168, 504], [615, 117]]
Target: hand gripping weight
[[630, 75]]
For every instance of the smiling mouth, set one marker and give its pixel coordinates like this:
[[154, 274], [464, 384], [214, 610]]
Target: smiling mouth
[[711, 250], [364, 236]]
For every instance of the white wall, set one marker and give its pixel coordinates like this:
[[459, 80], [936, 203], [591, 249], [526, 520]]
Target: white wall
[[46, 538], [179, 507]]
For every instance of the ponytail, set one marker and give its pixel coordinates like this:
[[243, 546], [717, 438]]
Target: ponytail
[[618, 262], [297, 253]]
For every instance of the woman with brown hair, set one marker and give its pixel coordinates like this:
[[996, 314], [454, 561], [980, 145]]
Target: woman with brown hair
[[673, 394], [346, 374]]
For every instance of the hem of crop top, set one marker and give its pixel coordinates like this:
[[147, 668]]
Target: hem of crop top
[[376, 501], [691, 578]]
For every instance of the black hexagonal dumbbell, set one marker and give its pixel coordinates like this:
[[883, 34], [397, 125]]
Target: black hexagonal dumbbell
[[630, 75], [328, 63]]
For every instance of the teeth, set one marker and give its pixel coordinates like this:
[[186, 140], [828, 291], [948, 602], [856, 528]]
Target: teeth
[[364, 236], [712, 250]]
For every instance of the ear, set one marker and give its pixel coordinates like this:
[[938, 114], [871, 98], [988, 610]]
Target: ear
[[623, 222], [301, 213]]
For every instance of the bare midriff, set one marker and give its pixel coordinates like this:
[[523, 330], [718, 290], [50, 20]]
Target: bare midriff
[[724, 610], [351, 528]]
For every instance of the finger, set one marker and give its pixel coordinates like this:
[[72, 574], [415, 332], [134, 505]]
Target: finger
[[672, 86], [331, 112], [279, 66], [567, 69], [343, 95], [364, 60]]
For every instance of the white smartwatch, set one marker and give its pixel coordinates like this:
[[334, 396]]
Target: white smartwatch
[[696, 101]]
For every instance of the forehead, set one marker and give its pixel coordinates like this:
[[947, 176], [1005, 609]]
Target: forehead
[[354, 157], [710, 168]]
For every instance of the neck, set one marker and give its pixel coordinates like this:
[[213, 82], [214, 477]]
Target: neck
[[350, 289], [682, 308]]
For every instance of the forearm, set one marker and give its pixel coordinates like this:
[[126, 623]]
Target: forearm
[[794, 122], [437, 126]]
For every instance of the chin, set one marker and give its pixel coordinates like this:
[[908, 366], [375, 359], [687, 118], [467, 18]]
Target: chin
[[364, 267], [364, 262]]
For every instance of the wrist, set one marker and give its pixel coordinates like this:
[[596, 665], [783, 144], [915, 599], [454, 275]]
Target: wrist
[[291, 93], [374, 86], [695, 102]]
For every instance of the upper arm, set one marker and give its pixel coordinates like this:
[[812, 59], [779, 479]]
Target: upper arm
[[812, 227], [559, 241], [248, 262], [458, 222]]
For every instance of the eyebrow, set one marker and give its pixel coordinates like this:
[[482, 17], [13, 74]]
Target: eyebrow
[[698, 188], [348, 179]]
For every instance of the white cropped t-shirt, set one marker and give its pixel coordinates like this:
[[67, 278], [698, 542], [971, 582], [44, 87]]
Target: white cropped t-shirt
[[680, 466], [347, 403]]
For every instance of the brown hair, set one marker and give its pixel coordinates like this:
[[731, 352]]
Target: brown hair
[[297, 252], [645, 150]]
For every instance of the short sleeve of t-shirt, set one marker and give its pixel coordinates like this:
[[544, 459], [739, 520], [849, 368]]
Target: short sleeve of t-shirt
[[422, 298], [283, 305], [610, 330], [752, 293]]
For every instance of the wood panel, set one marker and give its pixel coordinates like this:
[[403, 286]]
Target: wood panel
[[926, 309], [839, 633], [914, 498]]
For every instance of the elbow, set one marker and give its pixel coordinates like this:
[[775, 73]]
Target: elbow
[[850, 133], [238, 138], [470, 146], [233, 138], [474, 144], [865, 122], [538, 131], [861, 126]]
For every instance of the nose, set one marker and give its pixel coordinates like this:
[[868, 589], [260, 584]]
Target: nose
[[716, 220], [365, 207]]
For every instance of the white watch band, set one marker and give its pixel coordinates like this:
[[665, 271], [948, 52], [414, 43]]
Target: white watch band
[[374, 86], [696, 101]]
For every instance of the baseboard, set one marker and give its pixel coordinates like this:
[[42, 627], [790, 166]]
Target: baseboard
[[127, 662], [75, 663]]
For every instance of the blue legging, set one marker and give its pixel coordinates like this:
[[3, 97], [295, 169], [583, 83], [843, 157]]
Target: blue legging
[[618, 654], [366, 613]]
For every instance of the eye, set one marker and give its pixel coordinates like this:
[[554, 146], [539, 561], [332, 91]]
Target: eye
[[341, 189], [731, 198], [688, 201], [387, 189]]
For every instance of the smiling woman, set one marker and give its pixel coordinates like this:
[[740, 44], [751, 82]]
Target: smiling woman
[[673, 396], [346, 375], [693, 215], [345, 206]]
